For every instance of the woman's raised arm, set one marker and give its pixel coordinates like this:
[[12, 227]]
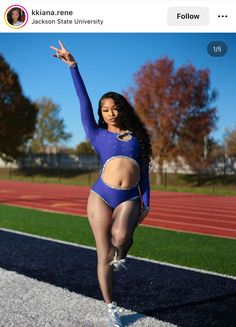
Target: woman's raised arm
[[87, 116]]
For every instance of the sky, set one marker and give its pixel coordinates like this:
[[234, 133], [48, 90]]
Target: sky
[[108, 62]]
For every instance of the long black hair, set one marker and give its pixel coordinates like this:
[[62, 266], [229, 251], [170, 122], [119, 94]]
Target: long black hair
[[129, 120]]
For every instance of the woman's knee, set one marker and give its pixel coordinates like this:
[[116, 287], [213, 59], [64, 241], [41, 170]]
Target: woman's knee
[[119, 238]]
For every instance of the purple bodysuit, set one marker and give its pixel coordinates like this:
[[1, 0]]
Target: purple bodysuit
[[108, 145]]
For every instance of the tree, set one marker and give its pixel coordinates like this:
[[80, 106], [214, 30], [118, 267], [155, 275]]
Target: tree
[[50, 128], [175, 106], [85, 148], [230, 142], [17, 114]]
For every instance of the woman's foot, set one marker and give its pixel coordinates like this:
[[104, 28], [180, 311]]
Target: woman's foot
[[117, 263], [114, 316]]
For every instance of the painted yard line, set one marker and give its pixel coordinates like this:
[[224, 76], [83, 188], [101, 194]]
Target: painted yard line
[[130, 256], [197, 225]]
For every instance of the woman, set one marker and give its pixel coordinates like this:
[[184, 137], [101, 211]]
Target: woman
[[119, 199], [15, 17]]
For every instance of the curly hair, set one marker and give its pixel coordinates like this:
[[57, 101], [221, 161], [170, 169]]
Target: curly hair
[[129, 120]]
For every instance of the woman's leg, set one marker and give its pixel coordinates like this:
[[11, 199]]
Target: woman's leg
[[125, 217], [100, 220]]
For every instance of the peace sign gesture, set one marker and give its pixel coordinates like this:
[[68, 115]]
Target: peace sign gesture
[[64, 54]]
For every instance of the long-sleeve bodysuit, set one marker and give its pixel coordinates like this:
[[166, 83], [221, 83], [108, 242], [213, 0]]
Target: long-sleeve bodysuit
[[108, 146]]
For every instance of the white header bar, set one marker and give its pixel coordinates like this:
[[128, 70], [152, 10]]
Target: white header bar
[[119, 16]]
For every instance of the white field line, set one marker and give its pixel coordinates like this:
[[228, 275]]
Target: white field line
[[189, 224], [130, 256]]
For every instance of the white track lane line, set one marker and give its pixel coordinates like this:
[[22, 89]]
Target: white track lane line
[[129, 256], [172, 220], [26, 302]]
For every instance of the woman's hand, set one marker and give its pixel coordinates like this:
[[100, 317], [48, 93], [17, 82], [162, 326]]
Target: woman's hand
[[143, 215], [64, 55]]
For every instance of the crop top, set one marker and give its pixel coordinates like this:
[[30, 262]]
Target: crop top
[[106, 143]]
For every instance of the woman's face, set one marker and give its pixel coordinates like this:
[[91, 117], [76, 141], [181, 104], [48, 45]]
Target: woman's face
[[15, 15], [109, 112]]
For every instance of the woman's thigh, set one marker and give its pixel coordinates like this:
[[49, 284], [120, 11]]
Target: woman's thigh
[[125, 217]]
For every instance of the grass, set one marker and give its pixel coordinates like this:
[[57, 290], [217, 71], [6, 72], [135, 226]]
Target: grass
[[192, 250], [55, 177]]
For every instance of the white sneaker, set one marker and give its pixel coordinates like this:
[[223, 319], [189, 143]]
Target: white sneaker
[[117, 263], [113, 315]]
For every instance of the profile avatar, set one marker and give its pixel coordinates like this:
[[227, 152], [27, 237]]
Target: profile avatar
[[16, 17]]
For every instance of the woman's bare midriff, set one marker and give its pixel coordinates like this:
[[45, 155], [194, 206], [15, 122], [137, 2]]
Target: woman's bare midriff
[[121, 172]]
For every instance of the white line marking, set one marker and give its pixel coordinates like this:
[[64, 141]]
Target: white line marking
[[189, 224], [130, 256]]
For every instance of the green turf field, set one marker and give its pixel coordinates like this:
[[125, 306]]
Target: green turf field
[[192, 250]]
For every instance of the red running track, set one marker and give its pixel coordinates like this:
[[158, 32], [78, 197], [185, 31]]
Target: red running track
[[204, 214]]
